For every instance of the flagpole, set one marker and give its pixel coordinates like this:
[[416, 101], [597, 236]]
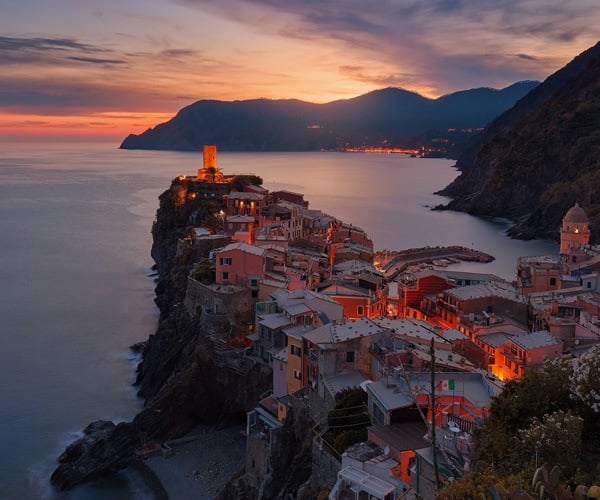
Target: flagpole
[[433, 442]]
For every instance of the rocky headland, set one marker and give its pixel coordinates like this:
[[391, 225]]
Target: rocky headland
[[390, 117], [180, 378], [540, 157]]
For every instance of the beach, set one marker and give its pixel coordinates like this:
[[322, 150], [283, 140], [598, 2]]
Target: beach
[[198, 465]]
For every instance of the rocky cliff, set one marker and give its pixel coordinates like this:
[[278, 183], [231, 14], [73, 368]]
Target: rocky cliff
[[178, 378], [540, 157]]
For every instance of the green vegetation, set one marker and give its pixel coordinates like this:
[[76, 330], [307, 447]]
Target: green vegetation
[[548, 417], [347, 423], [241, 181]]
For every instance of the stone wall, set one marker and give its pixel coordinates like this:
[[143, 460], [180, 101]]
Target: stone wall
[[324, 467], [234, 302]]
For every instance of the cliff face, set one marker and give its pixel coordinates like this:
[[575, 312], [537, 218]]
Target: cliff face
[[178, 378], [539, 158]]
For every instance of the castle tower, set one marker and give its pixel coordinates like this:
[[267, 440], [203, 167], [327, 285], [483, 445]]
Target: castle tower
[[209, 171], [575, 229], [209, 153]]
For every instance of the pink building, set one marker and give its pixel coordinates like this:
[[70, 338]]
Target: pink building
[[240, 264]]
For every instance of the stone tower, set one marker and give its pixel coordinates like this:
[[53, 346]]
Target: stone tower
[[209, 153], [575, 229], [209, 171]]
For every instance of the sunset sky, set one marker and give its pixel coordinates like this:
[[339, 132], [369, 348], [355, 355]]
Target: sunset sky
[[111, 68]]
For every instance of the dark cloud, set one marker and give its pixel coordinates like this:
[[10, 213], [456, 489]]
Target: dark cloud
[[51, 51], [365, 74], [527, 57], [58, 97], [178, 53], [95, 60]]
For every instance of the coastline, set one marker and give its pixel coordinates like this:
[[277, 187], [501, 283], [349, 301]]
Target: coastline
[[200, 465]]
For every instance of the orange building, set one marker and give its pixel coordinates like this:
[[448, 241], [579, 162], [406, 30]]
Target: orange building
[[412, 289], [358, 302]]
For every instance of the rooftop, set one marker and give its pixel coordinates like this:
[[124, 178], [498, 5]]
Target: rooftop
[[353, 329], [240, 218], [492, 289], [274, 321], [295, 309], [535, 340], [281, 355], [366, 482], [243, 195], [243, 247], [413, 328], [341, 381], [398, 393], [497, 339], [576, 214], [298, 331], [539, 259], [402, 436]]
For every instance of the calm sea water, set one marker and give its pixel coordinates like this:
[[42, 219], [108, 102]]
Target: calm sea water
[[77, 290]]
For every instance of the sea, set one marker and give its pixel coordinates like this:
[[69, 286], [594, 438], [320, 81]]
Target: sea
[[77, 284]]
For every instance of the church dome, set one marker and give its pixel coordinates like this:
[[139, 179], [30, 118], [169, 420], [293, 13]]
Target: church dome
[[575, 215]]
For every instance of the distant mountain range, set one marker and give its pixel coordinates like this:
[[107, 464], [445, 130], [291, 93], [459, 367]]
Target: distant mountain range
[[540, 157], [389, 117]]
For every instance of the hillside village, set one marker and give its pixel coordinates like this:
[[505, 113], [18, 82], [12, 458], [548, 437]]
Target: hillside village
[[303, 294]]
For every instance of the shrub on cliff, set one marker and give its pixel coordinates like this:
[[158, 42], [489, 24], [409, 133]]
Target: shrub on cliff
[[347, 422]]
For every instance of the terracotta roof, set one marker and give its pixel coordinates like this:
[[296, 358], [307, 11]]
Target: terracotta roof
[[575, 214]]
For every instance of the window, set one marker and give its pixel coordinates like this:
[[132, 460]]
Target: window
[[225, 275], [552, 281], [350, 357], [589, 284], [297, 375], [295, 350], [254, 294], [225, 261], [360, 310]]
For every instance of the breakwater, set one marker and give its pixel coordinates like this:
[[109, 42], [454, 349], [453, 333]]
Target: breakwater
[[393, 262]]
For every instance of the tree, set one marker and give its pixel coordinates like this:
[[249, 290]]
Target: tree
[[555, 439], [542, 390], [585, 379]]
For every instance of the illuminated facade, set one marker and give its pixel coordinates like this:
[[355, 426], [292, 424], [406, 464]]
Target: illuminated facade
[[209, 171], [575, 230]]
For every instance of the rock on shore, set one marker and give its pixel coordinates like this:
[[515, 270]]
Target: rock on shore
[[103, 448]]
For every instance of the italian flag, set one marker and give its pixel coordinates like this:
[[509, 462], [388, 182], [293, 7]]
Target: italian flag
[[447, 385]]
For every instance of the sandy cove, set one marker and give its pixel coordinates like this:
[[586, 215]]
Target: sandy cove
[[199, 465]]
